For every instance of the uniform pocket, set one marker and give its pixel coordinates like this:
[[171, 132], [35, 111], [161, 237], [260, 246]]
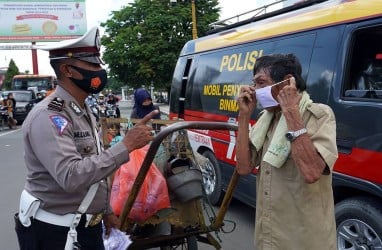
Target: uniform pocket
[[86, 147]]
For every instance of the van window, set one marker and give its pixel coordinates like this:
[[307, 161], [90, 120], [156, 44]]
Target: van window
[[220, 74], [364, 81]]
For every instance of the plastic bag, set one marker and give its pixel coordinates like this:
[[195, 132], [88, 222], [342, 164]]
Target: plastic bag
[[117, 240], [153, 195]]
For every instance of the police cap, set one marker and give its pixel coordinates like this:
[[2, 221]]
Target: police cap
[[85, 48]]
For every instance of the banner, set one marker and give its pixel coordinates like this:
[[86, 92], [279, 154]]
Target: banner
[[27, 21]]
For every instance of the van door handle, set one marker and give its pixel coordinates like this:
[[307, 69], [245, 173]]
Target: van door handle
[[344, 146]]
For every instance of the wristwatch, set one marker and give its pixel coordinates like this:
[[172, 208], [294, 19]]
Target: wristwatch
[[292, 135]]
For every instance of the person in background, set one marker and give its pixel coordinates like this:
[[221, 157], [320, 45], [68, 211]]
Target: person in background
[[293, 145], [10, 103], [101, 99], [112, 100], [66, 194], [143, 104], [114, 133], [91, 100], [39, 97]]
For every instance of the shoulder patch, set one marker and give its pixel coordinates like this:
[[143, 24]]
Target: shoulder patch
[[75, 108], [59, 122], [57, 104]]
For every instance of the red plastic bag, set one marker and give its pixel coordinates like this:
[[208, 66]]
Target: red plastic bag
[[152, 196]]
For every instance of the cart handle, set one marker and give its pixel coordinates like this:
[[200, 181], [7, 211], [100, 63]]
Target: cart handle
[[150, 155]]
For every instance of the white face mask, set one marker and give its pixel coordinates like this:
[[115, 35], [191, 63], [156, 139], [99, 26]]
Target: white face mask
[[265, 98]]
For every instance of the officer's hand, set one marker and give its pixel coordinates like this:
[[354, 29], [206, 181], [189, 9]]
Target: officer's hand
[[141, 134], [110, 221]]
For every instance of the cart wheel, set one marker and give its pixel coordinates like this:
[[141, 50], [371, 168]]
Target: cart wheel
[[190, 243], [212, 179]]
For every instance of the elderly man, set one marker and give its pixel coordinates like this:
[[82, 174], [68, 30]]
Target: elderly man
[[294, 145]]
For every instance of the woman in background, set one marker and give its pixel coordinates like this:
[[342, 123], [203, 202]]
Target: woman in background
[[143, 104]]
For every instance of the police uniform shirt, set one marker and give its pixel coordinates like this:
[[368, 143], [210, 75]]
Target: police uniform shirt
[[61, 155], [290, 213]]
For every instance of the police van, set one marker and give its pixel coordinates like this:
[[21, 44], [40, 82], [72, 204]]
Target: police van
[[339, 44]]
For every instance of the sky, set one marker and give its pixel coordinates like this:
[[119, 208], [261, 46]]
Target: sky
[[97, 13]]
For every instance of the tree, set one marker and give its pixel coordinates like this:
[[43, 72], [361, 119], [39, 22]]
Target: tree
[[143, 40], [114, 84], [12, 71]]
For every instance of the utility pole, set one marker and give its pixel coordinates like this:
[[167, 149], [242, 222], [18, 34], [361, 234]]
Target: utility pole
[[193, 11], [193, 16], [34, 59]]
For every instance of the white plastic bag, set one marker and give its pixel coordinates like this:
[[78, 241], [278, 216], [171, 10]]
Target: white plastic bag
[[117, 240]]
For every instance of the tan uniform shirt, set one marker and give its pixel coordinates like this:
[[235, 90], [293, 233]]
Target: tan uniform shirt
[[61, 156], [291, 214]]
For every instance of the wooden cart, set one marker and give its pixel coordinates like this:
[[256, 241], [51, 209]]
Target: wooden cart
[[188, 225]]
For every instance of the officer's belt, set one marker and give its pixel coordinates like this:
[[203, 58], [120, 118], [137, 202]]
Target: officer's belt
[[65, 220]]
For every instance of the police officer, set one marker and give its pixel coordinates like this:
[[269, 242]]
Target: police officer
[[66, 194]]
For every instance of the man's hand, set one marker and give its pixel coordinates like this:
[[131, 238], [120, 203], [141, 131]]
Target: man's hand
[[247, 100], [288, 97], [110, 221], [141, 134]]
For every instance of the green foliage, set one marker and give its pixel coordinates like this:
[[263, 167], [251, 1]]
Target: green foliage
[[114, 84], [12, 71], [143, 40]]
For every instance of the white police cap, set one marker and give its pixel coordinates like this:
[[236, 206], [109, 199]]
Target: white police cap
[[85, 48]]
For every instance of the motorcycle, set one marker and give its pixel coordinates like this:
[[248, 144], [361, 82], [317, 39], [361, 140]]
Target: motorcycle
[[101, 110], [6, 118], [95, 111], [111, 111], [3, 115]]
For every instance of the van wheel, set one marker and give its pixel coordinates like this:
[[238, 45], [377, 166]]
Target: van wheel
[[359, 224], [212, 179]]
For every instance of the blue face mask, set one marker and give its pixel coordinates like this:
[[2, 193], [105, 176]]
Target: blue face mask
[[92, 82]]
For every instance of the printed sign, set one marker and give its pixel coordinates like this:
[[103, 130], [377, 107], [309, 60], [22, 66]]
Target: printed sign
[[47, 20]]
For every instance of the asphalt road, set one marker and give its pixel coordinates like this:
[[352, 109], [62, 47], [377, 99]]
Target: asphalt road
[[12, 178]]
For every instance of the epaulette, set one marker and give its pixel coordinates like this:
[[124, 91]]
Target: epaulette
[[318, 109], [57, 104], [76, 109]]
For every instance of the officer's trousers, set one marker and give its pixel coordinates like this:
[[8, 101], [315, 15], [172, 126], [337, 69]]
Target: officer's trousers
[[44, 236]]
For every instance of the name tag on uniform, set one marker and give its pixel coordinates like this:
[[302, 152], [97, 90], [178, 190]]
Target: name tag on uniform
[[81, 134]]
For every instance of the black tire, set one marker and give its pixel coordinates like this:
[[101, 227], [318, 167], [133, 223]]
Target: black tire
[[212, 179], [190, 243], [359, 223]]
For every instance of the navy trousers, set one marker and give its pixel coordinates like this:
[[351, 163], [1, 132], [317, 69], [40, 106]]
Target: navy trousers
[[44, 236]]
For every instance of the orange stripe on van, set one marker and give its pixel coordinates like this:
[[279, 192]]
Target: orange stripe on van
[[316, 16]]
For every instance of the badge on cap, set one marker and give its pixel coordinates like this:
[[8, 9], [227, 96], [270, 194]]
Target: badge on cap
[[59, 122]]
